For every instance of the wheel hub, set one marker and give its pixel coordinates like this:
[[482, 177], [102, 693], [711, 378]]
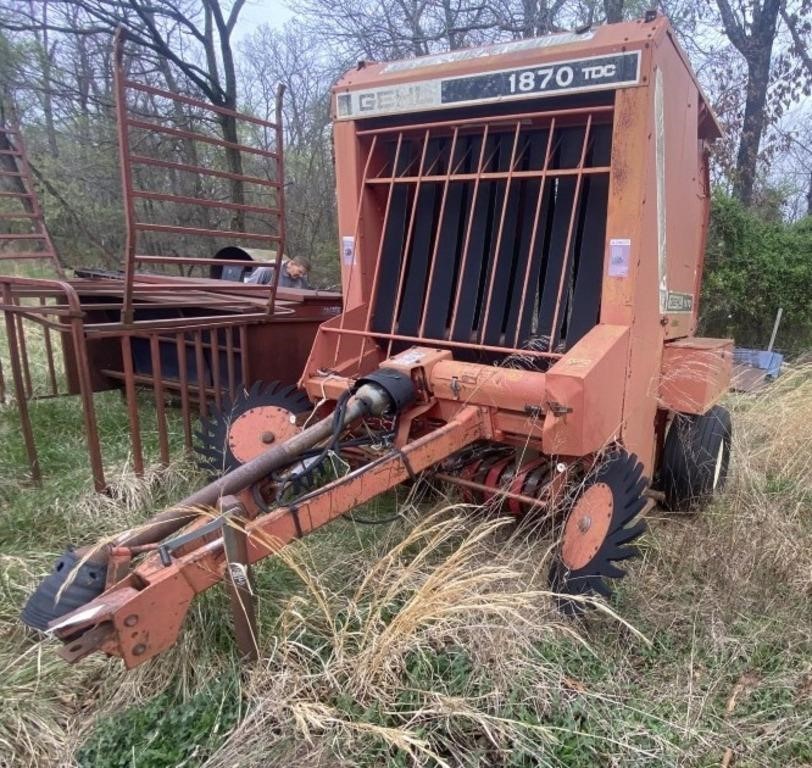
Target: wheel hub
[[587, 526], [251, 432], [600, 530], [243, 429]]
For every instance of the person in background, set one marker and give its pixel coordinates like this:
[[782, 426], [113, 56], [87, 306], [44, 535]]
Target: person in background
[[293, 275]]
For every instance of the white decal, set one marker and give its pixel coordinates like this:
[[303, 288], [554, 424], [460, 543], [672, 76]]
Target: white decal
[[411, 356], [618, 70], [619, 249], [348, 250], [659, 156]]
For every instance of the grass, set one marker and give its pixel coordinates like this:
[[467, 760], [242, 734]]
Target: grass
[[432, 640]]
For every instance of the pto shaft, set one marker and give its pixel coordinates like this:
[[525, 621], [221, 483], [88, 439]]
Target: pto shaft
[[369, 400]]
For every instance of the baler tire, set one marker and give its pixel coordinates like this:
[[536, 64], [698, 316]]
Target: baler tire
[[696, 458]]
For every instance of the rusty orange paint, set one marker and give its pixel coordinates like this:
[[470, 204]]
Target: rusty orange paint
[[587, 526], [622, 376], [253, 431]]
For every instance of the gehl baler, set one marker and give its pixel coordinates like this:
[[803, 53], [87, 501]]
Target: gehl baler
[[522, 230]]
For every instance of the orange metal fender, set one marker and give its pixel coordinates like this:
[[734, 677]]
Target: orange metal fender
[[694, 374], [584, 408]]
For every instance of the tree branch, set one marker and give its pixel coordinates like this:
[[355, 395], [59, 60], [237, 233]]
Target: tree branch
[[797, 40], [733, 29]]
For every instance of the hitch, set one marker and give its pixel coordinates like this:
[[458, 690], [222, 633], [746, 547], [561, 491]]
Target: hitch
[[141, 615]]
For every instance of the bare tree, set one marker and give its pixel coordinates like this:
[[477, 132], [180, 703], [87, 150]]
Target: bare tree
[[292, 57], [183, 33], [394, 29], [753, 34], [799, 27]]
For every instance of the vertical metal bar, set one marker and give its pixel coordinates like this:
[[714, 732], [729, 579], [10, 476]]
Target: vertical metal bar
[[49, 354], [132, 405], [280, 197], [353, 268], [534, 233], [495, 263], [244, 356], [126, 176], [29, 390], [201, 374], [408, 242], [449, 172], [88, 407], [238, 578], [2, 384], [183, 376], [374, 289], [469, 225], [230, 362], [214, 350], [19, 389], [568, 242], [158, 393]]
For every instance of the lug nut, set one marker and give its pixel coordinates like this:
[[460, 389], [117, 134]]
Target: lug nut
[[268, 437]]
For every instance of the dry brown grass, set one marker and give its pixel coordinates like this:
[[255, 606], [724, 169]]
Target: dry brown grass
[[437, 643]]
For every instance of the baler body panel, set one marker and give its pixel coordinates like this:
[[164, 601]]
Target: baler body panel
[[506, 202]]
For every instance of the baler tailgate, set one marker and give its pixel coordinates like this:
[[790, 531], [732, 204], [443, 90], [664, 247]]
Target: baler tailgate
[[492, 231]]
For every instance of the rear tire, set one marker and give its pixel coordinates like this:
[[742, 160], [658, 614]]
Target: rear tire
[[696, 458]]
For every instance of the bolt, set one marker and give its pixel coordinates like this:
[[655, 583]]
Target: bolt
[[139, 649], [585, 523], [131, 620], [560, 467], [268, 437]]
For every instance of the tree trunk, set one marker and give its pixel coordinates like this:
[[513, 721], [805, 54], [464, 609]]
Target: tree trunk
[[758, 80], [45, 55], [613, 10], [228, 125], [755, 43], [48, 105]]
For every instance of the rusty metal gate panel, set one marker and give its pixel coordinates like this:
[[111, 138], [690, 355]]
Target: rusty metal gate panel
[[25, 237], [189, 341]]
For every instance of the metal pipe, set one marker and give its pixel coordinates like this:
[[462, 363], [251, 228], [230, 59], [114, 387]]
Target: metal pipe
[[368, 400], [499, 493]]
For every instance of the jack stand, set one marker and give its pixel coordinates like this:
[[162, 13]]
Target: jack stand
[[238, 578]]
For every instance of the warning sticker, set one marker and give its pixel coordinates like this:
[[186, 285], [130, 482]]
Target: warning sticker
[[619, 250], [348, 250]]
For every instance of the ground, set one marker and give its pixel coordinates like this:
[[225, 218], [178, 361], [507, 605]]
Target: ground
[[432, 640]]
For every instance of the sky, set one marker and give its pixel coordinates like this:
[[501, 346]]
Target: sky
[[256, 12]]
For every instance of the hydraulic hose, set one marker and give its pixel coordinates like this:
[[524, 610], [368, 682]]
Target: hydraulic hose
[[369, 400]]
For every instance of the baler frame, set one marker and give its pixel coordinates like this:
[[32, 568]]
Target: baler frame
[[568, 412]]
